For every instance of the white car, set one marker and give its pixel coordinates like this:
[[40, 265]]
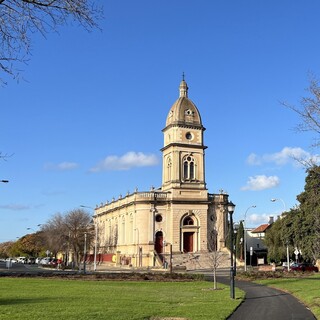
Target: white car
[[45, 260], [21, 260]]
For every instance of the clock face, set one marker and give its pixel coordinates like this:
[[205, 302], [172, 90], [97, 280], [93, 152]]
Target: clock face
[[189, 135]]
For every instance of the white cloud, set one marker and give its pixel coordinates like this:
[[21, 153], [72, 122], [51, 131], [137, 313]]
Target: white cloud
[[126, 162], [63, 166], [285, 156], [254, 159], [15, 207], [261, 182], [257, 219]]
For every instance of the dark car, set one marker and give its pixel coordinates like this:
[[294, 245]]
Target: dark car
[[304, 267]]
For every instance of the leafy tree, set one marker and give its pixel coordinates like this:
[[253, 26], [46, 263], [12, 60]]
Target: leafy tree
[[5, 249], [307, 225], [275, 242], [239, 241], [299, 227], [32, 244], [19, 19]]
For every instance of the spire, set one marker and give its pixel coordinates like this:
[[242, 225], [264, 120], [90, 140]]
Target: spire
[[183, 87]]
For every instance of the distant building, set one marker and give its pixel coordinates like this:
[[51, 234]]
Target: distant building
[[180, 215], [255, 240]]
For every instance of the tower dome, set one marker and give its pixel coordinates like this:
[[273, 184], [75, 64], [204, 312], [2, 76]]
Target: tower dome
[[183, 111]]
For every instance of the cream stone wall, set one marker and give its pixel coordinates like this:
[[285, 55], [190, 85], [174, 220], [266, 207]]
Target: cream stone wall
[[181, 212]]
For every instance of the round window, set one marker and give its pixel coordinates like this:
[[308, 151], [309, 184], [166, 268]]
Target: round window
[[158, 217], [189, 135]]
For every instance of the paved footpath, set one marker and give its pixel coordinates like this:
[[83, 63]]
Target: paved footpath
[[265, 303]]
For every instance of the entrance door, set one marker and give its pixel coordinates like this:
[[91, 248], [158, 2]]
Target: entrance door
[[188, 241], [159, 242]]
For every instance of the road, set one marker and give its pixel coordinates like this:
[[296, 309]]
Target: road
[[23, 268]]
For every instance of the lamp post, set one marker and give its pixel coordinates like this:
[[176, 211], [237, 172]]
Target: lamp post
[[95, 240], [245, 237], [231, 208], [287, 244], [84, 253]]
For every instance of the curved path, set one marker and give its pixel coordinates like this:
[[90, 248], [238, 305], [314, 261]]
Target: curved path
[[265, 303]]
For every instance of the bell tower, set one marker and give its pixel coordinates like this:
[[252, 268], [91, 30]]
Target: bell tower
[[183, 151]]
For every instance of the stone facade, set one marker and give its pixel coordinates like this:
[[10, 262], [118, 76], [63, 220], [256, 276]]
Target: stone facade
[[180, 216]]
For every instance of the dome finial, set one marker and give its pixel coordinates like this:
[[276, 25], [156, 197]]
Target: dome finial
[[183, 87]]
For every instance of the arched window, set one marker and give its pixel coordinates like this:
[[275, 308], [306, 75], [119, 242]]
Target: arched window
[[189, 168], [188, 221]]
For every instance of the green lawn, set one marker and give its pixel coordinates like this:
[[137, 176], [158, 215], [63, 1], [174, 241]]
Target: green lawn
[[307, 290], [43, 298]]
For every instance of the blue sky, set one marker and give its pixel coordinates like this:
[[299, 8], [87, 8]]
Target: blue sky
[[86, 124]]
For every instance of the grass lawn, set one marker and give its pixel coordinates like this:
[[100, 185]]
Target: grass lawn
[[306, 289], [45, 298]]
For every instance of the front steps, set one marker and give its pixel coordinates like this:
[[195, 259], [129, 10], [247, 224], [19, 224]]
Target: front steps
[[196, 261]]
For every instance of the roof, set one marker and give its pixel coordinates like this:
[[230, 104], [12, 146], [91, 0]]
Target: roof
[[261, 228], [184, 111]]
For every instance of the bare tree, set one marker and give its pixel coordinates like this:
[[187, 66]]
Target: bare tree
[[67, 232], [78, 223], [215, 255], [54, 233], [309, 111], [4, 156], [19, 19]]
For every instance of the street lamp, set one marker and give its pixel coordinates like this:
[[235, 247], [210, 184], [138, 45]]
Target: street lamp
[[284, 210], [245, 237], [4, 181], [95, 240], [84, 253], [231, 208], [38, 225], [284, 205]]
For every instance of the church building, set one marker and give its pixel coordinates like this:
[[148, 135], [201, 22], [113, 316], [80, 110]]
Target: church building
[[181, 216]]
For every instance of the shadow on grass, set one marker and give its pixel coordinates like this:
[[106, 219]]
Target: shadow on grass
[[8, 302]]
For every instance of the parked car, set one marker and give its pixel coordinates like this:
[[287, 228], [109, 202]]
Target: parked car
[[285, 265], [21, 260], [304, 267], [45, 260], [31, 260], [38, 260]]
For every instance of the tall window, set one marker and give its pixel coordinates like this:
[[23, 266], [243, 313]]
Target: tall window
[[123, 229], [189, 168], [169, 168]]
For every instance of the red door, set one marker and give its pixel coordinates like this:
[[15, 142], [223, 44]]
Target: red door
[[188, 241]]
